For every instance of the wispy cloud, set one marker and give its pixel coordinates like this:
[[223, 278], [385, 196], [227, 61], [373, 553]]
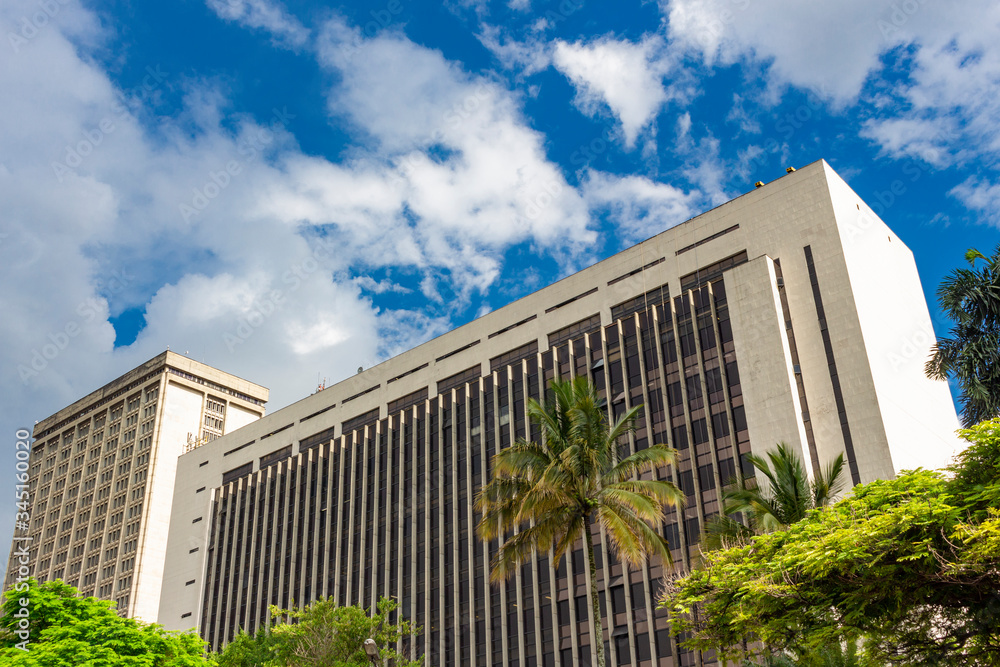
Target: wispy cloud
[[267, 15], [638, 206], [624, 77], [921, 76]]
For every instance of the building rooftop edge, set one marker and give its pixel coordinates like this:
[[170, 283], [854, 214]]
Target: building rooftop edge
[[165, 359], [818, 164]]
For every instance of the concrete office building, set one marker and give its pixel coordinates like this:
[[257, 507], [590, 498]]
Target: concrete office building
[[783, 315], [102, 475]]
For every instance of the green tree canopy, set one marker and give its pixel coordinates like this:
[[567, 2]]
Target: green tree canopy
[[555, 491], [322, 634], [911, 566], [68, 630], [971, 298]]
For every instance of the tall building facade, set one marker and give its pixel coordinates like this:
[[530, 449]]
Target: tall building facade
[[102, 476], [784, 315]]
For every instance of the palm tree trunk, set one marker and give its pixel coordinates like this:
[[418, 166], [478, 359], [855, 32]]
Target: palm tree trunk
[[597, 634]]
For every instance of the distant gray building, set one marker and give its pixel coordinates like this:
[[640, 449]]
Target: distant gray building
[[788, 314], [102, 475]]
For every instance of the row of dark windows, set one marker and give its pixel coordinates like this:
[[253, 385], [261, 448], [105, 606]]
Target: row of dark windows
[[398, 498]]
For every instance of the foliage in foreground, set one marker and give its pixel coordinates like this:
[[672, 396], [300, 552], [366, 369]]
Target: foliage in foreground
[[68, 630], [321, 634], [910, 566], [554, 492], [834, 655], [786, 498]]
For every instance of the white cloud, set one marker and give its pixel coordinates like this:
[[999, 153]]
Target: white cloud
[[684, 127], [739, 115], [528, 57], [828, 47], [240, 248], [626, 77], [639, 207], [380, 286], [979, 195], [942, 110], [948, 111], [266, 15], [455, 152]]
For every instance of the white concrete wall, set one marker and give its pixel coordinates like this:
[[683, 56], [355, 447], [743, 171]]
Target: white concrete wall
[[917, 413], [766, 371], [238, 417], [180, 411], [185, 552]]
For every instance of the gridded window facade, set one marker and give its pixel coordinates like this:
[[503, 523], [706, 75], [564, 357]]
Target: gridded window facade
[[83, 538], [88, 489], [386, 508]]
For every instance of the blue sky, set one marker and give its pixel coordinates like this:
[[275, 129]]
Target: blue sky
[[289, 191]]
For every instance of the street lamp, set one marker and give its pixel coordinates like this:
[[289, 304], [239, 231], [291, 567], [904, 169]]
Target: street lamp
[[371, 650]]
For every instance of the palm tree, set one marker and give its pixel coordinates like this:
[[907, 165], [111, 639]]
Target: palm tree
[[551, 493], [971, 297], [785, 499]]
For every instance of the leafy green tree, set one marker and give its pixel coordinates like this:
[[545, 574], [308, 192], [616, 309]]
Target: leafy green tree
[[556, 491], [910, 566], [68, 630], [322, 634], [836, 655], [971, 298], [787, 497], [246, 650]]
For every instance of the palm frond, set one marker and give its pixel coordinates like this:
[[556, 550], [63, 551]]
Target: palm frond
[[643, 460], [521, 546], [662, 492], [620, 533], [499, 503], [631, 537], [575, 529], [642, 506], [830, 482], [723, 532], [523, 459]]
